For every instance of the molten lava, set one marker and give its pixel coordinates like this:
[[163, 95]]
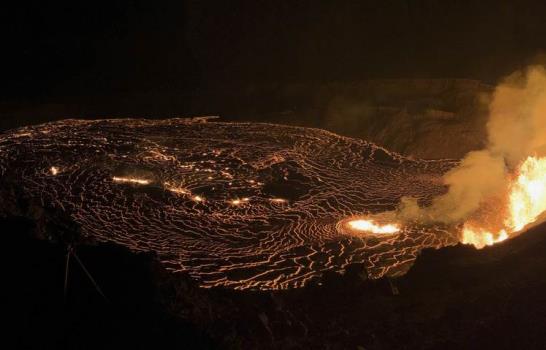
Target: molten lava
[[528, 194], [133, 180], [373, 227], [480, 237], [526, 202], [234, 205]]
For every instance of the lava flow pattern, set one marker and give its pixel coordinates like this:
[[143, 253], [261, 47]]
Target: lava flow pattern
[[238, 205]]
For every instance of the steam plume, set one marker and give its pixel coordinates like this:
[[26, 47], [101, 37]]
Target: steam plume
[[516, 129], [517, 123]]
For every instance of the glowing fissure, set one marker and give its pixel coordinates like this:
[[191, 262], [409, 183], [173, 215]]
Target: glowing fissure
[[131, 180], [526, 202]]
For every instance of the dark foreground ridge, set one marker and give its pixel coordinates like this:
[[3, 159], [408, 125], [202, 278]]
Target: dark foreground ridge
[[455, 297]]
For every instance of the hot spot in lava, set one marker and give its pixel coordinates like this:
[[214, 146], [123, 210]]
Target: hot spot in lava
[[374, 225]]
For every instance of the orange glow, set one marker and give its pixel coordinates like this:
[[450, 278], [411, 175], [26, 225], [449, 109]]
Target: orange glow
[[480, 238], [526, 202], [198, 198], [239, 201], [278, 200], [176, 189], [371, 226], [54, 170], [527, 194], [131, 180]]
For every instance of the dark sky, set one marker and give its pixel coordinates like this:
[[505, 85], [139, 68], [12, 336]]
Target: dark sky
[[86, 48]]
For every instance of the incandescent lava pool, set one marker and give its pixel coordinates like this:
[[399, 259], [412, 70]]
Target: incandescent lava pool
[[238, 205]]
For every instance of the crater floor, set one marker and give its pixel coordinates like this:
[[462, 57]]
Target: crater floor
[[240, 205]]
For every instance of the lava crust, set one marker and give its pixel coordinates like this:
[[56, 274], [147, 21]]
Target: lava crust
[[239, 205]]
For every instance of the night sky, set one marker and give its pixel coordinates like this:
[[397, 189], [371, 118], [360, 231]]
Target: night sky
[[53, 53]]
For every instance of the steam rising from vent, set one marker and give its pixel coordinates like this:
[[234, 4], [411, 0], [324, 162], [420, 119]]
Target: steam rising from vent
[[499, 190], [479, 176], [517, 123]]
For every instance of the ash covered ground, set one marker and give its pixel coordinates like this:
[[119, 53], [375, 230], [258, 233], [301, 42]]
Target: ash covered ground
[[238, 205]]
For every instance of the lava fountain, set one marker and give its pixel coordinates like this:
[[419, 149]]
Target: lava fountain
[[526, 201]]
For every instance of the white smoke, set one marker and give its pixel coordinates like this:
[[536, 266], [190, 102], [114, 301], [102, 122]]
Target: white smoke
[[516, 129]]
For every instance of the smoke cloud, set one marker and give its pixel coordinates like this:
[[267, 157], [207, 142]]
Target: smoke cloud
[[516, 129], [517, 122]]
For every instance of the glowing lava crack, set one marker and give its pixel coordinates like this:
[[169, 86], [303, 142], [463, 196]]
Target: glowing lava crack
[[238, 205]]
